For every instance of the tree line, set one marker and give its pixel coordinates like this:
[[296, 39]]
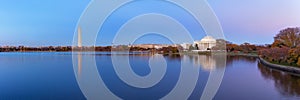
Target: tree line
[[97, 48], [28, 49]]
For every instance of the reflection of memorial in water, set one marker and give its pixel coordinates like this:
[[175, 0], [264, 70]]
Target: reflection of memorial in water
[[206, 62], [286, 84]]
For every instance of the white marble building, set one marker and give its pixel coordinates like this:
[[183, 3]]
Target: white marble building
[[205, 44]]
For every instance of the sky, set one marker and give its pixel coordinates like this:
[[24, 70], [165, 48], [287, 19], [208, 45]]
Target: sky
[[53, 22]]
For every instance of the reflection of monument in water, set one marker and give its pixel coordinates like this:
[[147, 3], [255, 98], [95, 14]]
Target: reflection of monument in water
[[207, 62]]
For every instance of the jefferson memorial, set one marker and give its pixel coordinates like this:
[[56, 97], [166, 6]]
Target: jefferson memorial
[[205, 44]]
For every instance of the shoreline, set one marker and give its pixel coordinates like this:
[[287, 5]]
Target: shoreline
[[290, 69], [242, 54]]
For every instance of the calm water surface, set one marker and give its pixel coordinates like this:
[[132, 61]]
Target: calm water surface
[[51, 76]]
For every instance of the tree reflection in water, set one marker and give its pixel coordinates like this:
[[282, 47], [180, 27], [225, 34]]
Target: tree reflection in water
[[287, 84], [230, 59]]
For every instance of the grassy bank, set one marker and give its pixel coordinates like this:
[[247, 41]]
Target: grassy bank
[[286, 68]]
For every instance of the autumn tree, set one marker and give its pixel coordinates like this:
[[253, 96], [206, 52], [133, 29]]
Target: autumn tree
[[278, 55], [293, 56], [169, 49], [232, 47], [298, 63], [247, 47], [289, 37]]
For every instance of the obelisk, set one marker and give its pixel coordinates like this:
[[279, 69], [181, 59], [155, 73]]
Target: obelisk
[[79, 38]]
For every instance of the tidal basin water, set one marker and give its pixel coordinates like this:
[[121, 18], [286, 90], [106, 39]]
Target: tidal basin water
[[51, 75]]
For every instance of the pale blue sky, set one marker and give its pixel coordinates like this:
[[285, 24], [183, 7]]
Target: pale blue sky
[[52, 22]]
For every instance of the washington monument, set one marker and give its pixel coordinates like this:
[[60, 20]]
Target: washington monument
[[79, 37]]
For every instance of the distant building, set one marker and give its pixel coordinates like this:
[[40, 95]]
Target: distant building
[[150, 46], [186, 46]]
